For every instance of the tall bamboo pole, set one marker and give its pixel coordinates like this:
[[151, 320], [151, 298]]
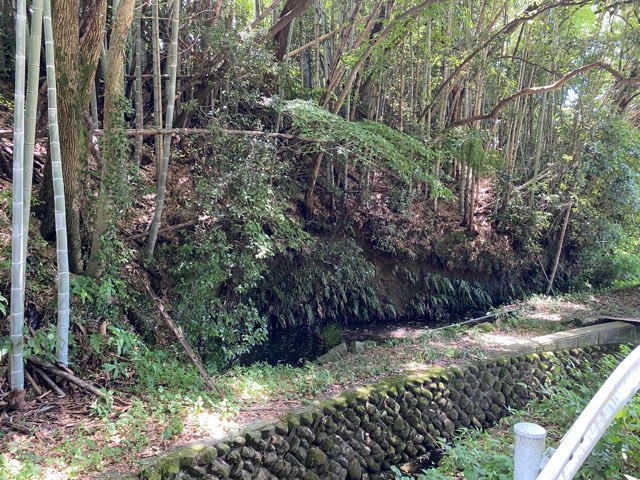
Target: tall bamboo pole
[[17, 220], [62, 327], [33, 83], [138, 85], [171, 94], [157, 83]]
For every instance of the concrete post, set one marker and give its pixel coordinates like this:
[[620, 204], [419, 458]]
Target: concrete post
[[529, 447]]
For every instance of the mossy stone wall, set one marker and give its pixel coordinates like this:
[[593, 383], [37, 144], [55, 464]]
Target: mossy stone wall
[[360, 435]]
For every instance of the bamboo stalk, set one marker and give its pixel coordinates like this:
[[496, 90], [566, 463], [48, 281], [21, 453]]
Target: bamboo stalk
[[171, 94], [138, 87], [157, 84], [17, 222], [62, 251], [33, 83]]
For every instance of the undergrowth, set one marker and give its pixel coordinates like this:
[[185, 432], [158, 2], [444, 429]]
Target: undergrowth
[[487, 454]]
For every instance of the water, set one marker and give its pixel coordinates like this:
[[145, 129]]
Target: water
[[294, 345], [291, 346]]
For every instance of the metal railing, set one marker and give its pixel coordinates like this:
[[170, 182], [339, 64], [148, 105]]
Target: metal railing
[[582, 437]]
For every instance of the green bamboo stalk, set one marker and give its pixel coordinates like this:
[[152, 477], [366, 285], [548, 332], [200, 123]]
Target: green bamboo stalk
[[157, 82], [62, 328], [138, 87], [17, 220], [33, 82], [171, 98]]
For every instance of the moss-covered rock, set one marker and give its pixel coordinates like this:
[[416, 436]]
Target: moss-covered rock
[[315, 458]]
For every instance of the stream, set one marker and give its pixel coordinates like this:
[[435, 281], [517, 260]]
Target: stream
[[295, 345]]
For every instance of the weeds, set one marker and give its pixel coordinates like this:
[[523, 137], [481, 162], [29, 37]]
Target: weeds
[[487, 454], [331, 335]]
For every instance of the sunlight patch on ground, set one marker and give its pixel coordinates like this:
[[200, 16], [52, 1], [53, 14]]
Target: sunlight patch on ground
[[417, 367], [211, 424], [51, 473], [502, 340], [555, 310]]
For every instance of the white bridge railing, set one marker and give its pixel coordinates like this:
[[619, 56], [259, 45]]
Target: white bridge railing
[[577, 444]]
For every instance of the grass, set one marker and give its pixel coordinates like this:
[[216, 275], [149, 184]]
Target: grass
[[487, 454]]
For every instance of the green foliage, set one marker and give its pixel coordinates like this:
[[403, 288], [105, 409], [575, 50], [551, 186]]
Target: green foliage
[[438, 295], [607, 209], [329, 281], [365, 142], [617, 269], [43, 343], [525, 226], [110, 296], [244, 84], [331, 335], [216, 272], [3, 305]]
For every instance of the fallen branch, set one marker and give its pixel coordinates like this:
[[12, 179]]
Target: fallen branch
[[193, 356], [51, 383], [478, 319], [15, 427], [170, 228], [545, 89], [321, 38], [70, 377], [33, 383]]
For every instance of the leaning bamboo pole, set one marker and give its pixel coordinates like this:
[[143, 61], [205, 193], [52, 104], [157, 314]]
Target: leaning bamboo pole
[[17, 220], [62, 327], [171, 94]]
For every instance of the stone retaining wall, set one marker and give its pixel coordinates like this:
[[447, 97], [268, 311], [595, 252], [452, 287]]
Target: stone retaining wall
[[362, 434]]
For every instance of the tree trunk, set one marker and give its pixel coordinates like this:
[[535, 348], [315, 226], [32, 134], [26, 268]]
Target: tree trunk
[[138, 87], [157, 82], [556, 260], [77, 48], [33, 85]]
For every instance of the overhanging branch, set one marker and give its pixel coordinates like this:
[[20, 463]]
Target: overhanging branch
[[620, 79]]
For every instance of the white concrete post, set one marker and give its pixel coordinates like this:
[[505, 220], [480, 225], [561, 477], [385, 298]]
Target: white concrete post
[[529, 447]]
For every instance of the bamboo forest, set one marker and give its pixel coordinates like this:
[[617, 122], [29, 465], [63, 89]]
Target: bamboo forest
[[314, 239]]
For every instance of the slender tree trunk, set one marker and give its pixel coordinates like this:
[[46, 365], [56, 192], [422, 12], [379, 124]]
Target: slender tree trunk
[[17, 222], [556, 260], [442, 119], [316, 36], [62, 327], [540, 140], [171, 94]]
